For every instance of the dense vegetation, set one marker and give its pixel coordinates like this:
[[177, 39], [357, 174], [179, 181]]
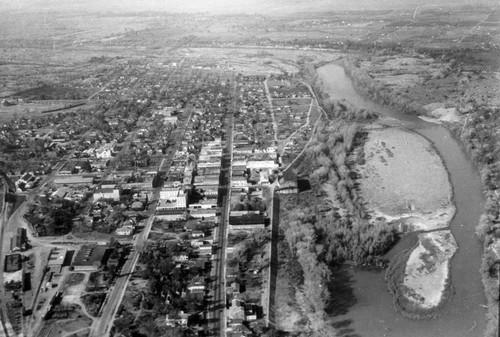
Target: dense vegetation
[[53, 218], [329, 225], [166, 292], [379, 92], [482, 140]]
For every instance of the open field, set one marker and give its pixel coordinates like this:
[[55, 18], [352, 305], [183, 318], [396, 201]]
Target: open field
[[405, 180], [30, 110]]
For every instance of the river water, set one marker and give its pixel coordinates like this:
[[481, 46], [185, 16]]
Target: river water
[[365, 307]]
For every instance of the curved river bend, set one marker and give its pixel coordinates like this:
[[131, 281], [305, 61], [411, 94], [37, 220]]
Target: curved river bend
[[369, 312]]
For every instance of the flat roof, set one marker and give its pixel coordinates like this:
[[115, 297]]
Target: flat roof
[[88, 255]]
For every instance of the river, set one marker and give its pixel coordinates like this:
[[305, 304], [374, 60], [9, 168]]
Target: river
[[365, 307]]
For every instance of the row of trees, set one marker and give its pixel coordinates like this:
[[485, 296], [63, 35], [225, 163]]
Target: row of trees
[[329, 225]]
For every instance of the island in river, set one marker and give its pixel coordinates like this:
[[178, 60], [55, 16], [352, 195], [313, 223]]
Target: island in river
[[404, 181]]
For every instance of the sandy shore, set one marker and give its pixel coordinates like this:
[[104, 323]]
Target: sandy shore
[[427, 269]]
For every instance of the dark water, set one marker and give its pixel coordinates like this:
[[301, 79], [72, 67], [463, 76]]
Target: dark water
[[365, 307]]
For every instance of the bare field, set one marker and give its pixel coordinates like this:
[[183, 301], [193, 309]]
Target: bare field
[[34, 110]]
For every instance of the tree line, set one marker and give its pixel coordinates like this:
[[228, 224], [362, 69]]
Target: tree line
[[482, 142]]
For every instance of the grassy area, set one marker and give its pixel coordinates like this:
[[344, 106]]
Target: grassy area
[[93, 302]]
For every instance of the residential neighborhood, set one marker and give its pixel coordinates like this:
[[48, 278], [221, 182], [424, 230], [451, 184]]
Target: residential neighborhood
[[135, 180]]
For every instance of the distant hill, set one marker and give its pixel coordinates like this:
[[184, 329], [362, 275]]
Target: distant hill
[[223, 6]]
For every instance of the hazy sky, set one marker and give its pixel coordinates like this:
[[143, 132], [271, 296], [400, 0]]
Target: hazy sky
[[219, 6]]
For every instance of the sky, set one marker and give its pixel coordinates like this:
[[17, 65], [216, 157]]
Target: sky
[[219, 6]]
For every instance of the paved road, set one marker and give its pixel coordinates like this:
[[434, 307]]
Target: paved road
[[217, 311], [102, 326]]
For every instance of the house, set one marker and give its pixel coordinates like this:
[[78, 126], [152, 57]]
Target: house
[[137, 206], [26, 178], [179, 319], [235, 287], [205, 249], [125, 230], [239, 182], [196, 243], [180, 257], [197, 283], [237, 310], [250, 312], [105, 151], [197, 234], [264, 177]]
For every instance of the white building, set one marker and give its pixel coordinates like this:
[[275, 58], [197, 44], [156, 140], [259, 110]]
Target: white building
[[261, 164], [107, 194]]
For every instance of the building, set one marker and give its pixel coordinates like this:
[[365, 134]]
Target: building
[[200, 213], [197, 234], [205, 203], [73, 180], [181, 320], [205, 249], [172, 203], [57, 258], [239, 182], [107, 194], [12, 262], [247, 222], [208, 190], [125, 230], [261, 164], [169, 192], [206, 180], [91, 257], [180, 257], [197, 283]]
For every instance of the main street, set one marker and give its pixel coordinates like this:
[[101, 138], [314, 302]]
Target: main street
[[217, 312]]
